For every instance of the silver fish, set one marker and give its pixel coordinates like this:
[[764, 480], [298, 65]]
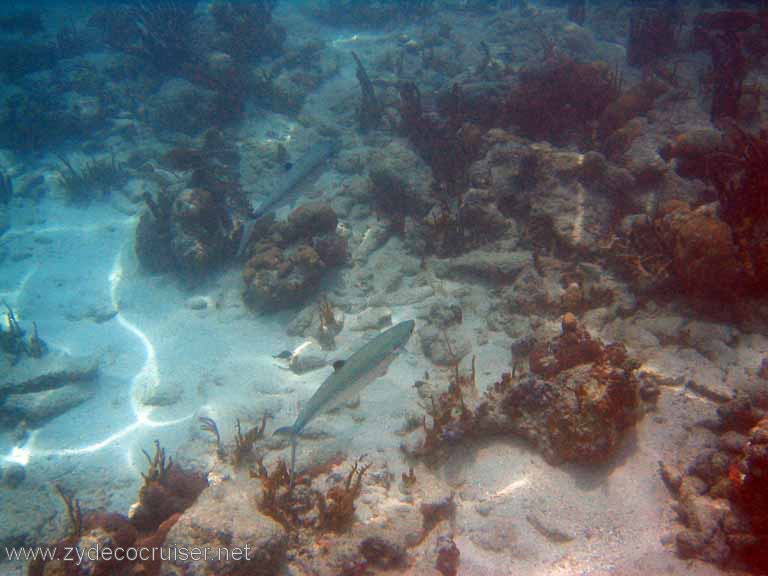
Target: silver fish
[[300, 172], [350, 377]]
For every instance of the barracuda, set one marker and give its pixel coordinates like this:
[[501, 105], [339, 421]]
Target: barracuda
[[349, 378]]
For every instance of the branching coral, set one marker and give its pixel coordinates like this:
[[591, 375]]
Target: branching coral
[[26, 22], [209, 425], [329, 326], [37, 119], [390, 197], [726, 36], [74, 513], [157, 470], [361, 13], [247, 31], [409, 480], [151, 519], [158, 33], [577, 11], [707, 251], [449, 416], [741, 178], [277, 494], [6, 188], [652, 35], [642, 255], [244, 442], [13, 342], [300, 506], [164, 33], [370, 110], [337, 507], [439, 142], [167, 490]]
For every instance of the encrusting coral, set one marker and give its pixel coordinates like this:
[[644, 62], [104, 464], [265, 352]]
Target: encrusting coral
[[576, 403], [288, 259]]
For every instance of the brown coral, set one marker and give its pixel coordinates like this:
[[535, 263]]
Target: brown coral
[[298, 505], [562, 101], [167, 490], [576, 404], [291, 259], [704, 257], [337, 507]]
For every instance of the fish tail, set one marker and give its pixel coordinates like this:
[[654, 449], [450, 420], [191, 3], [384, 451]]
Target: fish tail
[[290, 431], [293, 460]]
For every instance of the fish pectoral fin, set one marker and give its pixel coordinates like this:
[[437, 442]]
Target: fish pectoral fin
[[284, 431]]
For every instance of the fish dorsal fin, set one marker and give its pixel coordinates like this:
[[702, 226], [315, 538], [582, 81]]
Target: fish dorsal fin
[[338, 365]]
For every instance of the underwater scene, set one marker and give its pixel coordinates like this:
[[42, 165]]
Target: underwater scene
[[360, 288]]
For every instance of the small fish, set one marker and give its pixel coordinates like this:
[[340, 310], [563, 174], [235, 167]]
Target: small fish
[[349, 378], [287, 166], [284, 355]]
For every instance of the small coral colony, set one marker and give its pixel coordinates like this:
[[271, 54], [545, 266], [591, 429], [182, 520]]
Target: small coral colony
[[584, 182]]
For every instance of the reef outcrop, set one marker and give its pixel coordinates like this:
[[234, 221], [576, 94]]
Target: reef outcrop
[[224, 519], [167, 492], [190, 226], [287, 260], [577, 403], [708, 250], [721, 496]]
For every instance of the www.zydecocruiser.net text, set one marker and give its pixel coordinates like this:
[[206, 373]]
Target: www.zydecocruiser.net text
[[98, 553]]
